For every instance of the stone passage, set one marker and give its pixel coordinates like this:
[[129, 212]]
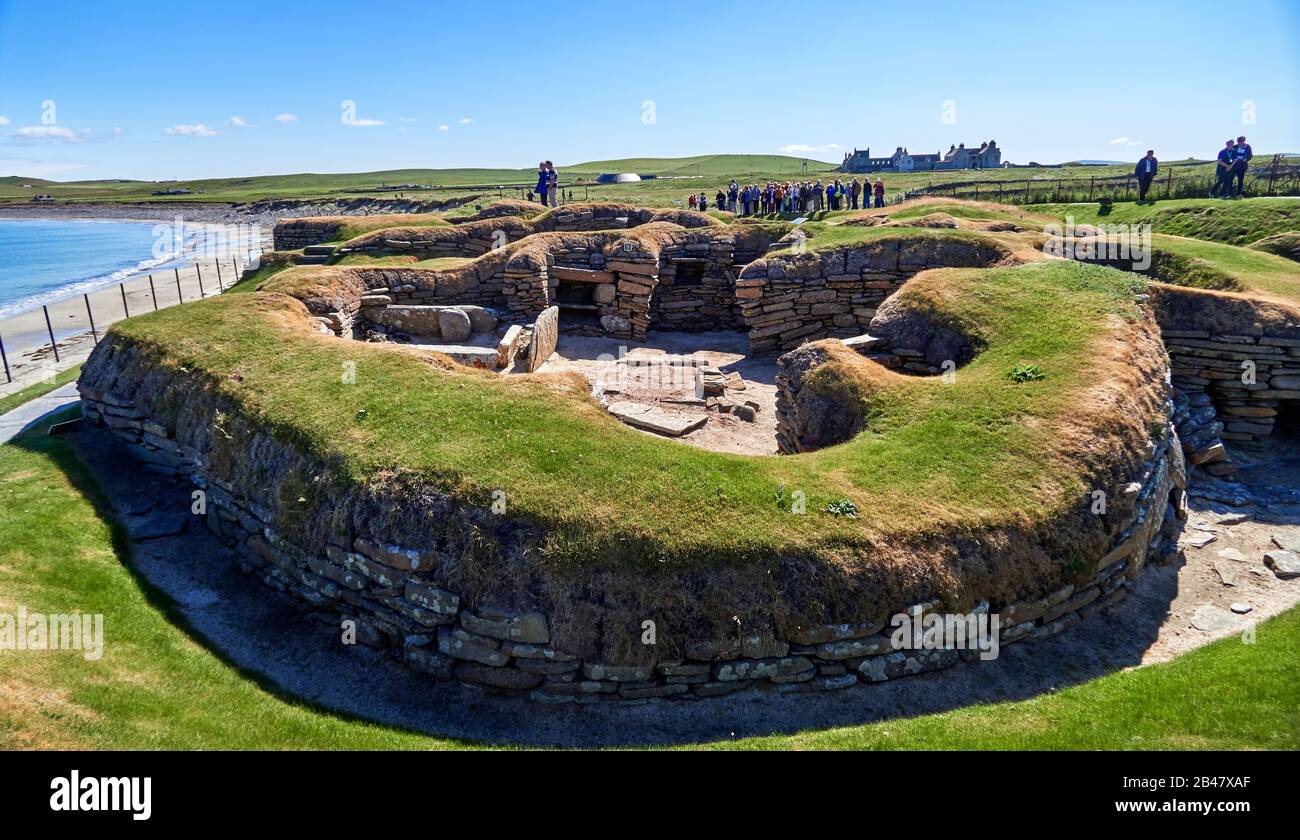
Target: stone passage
[[1233, 357], [790, 298]]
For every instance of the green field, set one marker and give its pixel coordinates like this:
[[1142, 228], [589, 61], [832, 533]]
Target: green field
[[160, 686], [675, 179], [1229, 222]]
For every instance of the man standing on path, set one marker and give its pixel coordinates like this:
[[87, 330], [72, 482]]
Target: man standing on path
[[543, 183], [1146, 173], [879, 189], [552, 183], [1241, 155], [1223, 172]]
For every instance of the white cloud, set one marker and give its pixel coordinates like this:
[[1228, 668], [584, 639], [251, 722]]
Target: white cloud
[[465, 120], [117, 129], [1124, 141], [364, 122], [286, 118], [406, 119], [4, 120], [195, 130], [239, 122], [796, 148], [444, 128], [46, 133]]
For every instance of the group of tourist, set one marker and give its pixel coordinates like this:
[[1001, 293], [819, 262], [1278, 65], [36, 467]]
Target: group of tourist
[[1229, 170], [793, 197], [1233, 160]]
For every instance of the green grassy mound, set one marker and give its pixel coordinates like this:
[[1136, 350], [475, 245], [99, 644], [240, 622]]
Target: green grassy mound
[[985, 453], [161, 687]]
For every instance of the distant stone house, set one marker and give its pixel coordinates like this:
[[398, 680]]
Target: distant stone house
[[44, 199], [987, 156]]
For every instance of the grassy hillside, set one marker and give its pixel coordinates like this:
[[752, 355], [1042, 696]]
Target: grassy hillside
[[1232, 222], [677, 177], [715, 166]]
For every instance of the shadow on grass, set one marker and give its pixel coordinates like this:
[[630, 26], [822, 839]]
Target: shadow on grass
[[196, 584], [58, 438]]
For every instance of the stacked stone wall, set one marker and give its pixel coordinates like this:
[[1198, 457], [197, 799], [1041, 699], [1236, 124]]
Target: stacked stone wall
[[389, 581]]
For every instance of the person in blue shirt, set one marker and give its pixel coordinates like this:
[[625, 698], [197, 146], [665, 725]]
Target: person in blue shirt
[[1223, 172], [1146, 173], [1241, 155], [543, 182]]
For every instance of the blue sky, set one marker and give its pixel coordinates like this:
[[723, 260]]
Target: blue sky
[[159, 90]]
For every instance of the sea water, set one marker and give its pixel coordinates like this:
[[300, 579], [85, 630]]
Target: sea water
[[42, 261]]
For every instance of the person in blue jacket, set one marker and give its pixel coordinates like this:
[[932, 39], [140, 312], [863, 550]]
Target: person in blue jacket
[[1241, 155], [1223, 172], [543, 182], [1146, 173]]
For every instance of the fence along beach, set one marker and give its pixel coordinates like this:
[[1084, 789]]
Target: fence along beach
[[41, 341]]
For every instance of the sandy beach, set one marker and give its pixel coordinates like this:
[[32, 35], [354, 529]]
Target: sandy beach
[[26, 337]]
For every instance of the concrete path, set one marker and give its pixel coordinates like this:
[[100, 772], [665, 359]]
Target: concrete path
[[30, 412]]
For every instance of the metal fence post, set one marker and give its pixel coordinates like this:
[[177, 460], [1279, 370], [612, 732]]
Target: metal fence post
[[9, 377], [234, 265], [153, 293], [180, 296], [54, 345], [220, 285], [198, 271], [91, 316], [126, 310]]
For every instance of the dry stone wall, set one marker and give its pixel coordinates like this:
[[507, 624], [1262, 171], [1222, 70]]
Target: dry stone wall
[[791, 298], [391, 560], [1236, 359]]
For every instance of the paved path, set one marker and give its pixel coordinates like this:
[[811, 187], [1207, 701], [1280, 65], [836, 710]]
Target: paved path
[[28, 413]]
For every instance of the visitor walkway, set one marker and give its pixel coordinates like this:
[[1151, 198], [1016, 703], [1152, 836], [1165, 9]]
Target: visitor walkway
[[29, 413]]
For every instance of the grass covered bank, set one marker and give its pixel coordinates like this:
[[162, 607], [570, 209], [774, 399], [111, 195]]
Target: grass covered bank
[[159, 688]]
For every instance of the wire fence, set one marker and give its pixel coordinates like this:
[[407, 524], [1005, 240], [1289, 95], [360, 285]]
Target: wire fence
[[37, 343]]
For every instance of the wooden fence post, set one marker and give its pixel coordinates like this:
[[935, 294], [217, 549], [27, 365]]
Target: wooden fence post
[[54, 345], [9, 377], [93, 334]]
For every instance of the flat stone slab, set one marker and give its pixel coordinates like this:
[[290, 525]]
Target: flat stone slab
[[654, 420], [1285, 564], [1212, 619]]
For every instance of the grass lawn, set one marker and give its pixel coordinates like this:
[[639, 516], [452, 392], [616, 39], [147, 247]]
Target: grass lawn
[[1255, 272], [31, 392], [1237, 222], [158, 688]]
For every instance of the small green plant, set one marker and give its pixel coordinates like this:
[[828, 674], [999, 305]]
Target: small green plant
[[1076, 567], [782, 498], [1026, 373], [842, 507]]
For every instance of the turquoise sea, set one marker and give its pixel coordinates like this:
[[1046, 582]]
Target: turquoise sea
[[42, 261]]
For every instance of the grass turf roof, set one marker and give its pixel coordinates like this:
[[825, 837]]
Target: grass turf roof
[[984, 451]]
